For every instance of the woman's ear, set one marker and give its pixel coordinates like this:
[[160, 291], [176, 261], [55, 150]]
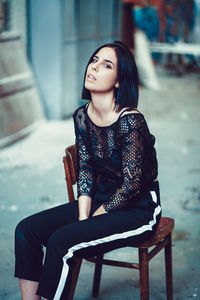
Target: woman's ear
[[117, 84]]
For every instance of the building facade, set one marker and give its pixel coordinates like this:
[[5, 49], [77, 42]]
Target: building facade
[[59, 37]]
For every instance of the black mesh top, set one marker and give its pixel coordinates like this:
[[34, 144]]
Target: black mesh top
[[122, 156]]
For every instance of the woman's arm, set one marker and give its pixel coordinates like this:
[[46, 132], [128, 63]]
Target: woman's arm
[[85, 172], [132, 143], [84, 207]]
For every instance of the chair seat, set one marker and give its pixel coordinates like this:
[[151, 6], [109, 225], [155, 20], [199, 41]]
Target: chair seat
[[165, 226]]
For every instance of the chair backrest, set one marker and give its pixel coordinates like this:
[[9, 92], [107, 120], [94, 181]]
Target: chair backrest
[[70, 170]]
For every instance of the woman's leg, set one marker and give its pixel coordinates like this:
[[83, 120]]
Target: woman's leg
[[28, 289], [90, 237], [30, 236]]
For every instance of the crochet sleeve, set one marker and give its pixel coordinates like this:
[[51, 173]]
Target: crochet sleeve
[[132, 143], [85, 172]]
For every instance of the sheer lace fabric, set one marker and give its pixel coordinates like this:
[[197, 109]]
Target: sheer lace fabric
[[122, 155]]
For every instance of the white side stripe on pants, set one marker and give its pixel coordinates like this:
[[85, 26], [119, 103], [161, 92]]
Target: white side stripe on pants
[[107, 239]]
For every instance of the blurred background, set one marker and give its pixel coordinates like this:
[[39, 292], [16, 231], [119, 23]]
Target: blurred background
[[44, 49]]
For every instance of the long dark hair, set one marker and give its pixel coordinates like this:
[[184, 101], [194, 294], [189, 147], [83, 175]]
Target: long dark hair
[[127, 76]]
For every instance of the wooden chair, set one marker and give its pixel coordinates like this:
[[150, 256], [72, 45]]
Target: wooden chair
[[160, 240]]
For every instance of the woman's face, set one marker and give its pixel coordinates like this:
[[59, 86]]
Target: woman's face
[[101, 75]]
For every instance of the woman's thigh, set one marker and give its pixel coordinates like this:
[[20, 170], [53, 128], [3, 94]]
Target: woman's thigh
[[42, 225], [102, 233]]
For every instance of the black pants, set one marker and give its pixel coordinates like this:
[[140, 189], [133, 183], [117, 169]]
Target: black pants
[[64, 237]]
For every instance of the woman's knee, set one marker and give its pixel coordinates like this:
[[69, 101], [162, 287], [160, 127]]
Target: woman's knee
[[21, 230], [54, 240], [59, 242], [24, 231]]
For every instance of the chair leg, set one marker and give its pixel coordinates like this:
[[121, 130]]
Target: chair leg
[[144, 273], [74, 278], [97, 276], [168, 268]]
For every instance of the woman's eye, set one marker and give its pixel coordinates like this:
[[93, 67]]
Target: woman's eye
[[107, 66], [94, 60]]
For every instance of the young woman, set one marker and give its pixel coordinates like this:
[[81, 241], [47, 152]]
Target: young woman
[[122, 206]]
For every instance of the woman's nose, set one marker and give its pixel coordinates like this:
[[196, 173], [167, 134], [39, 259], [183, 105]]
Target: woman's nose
[[95, 67]]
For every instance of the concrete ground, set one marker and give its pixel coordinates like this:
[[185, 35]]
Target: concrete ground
[[32, 179]]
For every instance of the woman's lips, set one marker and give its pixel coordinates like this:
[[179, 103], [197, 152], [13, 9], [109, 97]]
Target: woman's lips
[[90, 76]]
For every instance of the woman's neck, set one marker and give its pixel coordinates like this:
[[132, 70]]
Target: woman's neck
[[102, 104]]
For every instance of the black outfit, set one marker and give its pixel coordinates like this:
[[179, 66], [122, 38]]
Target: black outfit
[[117, 167]]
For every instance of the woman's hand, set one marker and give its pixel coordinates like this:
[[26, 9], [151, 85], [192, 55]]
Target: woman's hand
[[99, 211]]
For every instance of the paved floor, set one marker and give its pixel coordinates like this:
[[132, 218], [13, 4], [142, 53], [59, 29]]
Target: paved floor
[[32, 179]]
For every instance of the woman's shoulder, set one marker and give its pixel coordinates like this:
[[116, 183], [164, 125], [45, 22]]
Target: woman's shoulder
[[128, 111], [79, 117], [130, 119], [80, 111]]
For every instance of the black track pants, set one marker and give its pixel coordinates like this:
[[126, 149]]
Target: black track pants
[[65, 237]]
